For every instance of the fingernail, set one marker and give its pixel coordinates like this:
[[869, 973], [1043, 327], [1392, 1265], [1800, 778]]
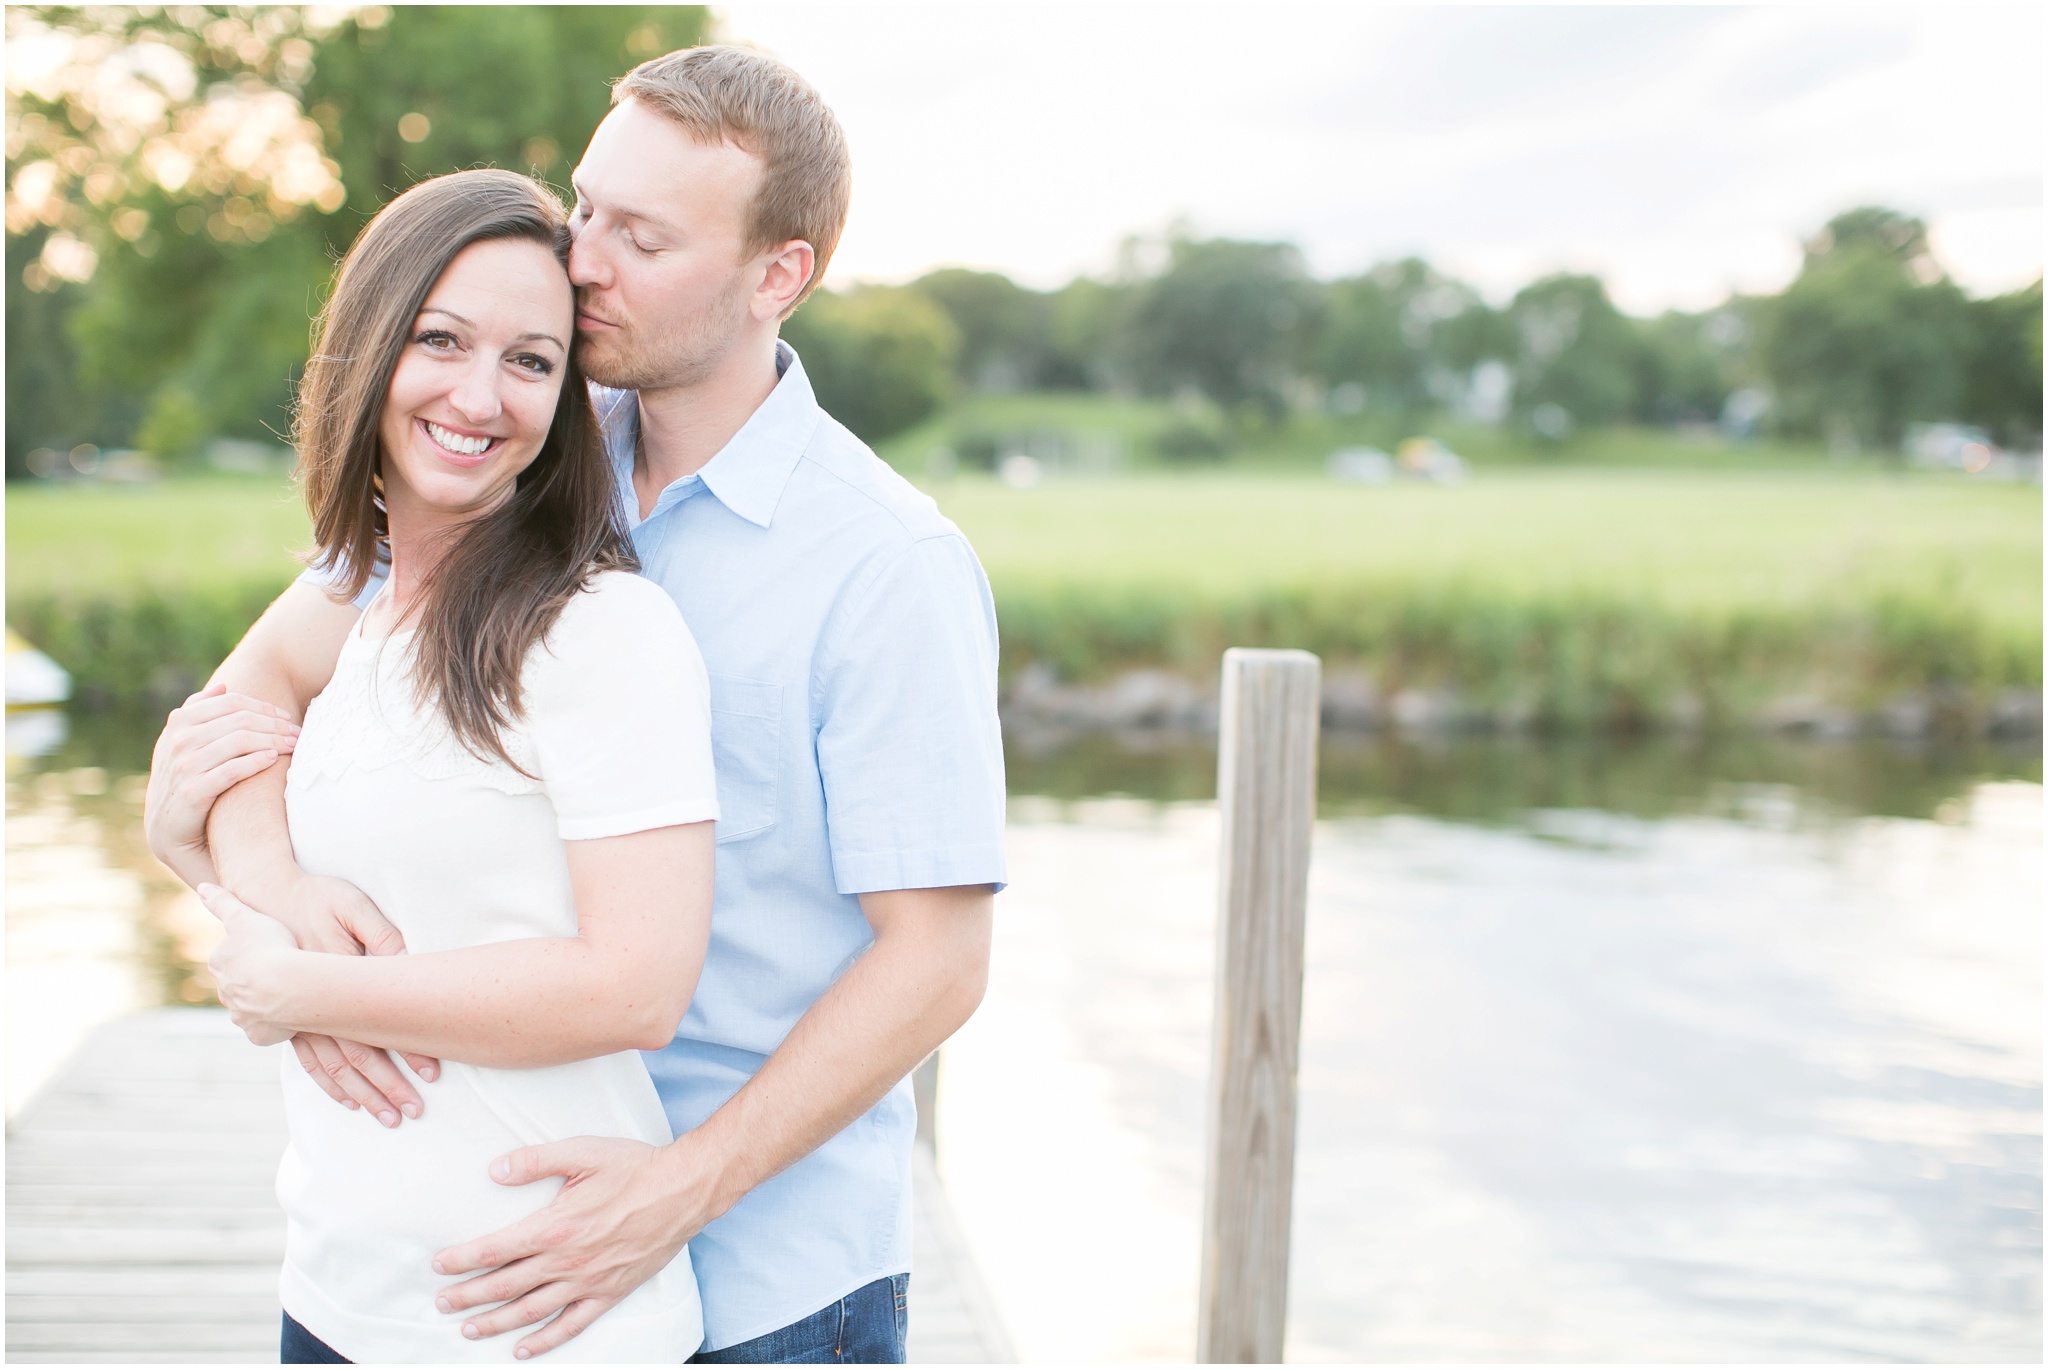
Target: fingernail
[[430, 1074], [443, 1303], [501, 1170], [469, 1330], [389, 1119], [409, 1109], [351, 1104], [521, 1354]]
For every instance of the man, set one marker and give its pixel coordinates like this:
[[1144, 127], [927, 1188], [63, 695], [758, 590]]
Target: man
[[850, 638]]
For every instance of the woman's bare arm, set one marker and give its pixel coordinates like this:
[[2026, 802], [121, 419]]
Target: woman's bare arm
[[643, 914]]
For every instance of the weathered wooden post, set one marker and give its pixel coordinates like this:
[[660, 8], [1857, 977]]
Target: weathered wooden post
[[1266, 787], [924, 1089]]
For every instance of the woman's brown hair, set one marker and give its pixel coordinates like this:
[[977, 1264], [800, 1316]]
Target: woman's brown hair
[[498, 587]]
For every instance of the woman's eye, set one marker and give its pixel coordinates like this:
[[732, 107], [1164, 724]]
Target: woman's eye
[[435, 339], [540, 366]]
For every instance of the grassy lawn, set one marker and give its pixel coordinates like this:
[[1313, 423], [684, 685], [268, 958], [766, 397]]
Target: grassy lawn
[[200, 532], [1585, 596], [1687, 540]]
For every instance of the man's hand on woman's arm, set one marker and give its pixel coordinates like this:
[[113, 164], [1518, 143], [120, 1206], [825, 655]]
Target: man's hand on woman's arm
[[627, 1208], [211, 743], [210, 822]]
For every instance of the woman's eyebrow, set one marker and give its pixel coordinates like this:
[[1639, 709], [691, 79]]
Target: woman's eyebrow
[[523, 337]]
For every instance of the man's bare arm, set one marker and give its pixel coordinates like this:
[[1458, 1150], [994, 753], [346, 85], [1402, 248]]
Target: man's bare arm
[[626, 1208]]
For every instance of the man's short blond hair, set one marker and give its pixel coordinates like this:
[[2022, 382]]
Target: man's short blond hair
[[727, 94]]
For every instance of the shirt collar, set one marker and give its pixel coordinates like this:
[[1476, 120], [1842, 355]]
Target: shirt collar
[[752, 469]]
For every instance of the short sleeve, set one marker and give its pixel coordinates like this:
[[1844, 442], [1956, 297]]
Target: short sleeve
[[618, 713], [909, 746], [328, 581]]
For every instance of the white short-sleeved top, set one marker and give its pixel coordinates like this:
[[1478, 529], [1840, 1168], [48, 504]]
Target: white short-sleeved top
[[459, 851]]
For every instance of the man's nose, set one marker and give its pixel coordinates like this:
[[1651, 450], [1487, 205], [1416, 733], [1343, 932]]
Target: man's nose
[[586, 264]]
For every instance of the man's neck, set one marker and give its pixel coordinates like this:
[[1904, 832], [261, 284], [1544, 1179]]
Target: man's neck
[[683, 427]]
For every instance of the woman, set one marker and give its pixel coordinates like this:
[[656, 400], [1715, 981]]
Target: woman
[[512, 760]]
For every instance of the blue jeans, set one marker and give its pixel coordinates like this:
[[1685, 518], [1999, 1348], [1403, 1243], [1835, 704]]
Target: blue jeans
[[868, 1326], [297, 1345]]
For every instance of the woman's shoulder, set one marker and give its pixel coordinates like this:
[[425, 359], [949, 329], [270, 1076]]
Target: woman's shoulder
[[618, 601], [618, 617]]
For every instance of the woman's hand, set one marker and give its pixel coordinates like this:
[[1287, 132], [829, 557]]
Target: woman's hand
[[251, 967], [211, 743]]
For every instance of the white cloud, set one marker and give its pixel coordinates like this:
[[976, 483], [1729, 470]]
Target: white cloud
[[1678, 152]]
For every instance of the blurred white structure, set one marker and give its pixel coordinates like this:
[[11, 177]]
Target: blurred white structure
[[33, 678], [1360, 466]]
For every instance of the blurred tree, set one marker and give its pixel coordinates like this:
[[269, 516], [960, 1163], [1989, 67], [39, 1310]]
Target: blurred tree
[[1231, 319], [1385, 331], [1005, 330], [1477, 334], [1685, 366], [881, 358], [191, 172], [2002, 367], [1870, 336], [1087, 326], [1574, 353]]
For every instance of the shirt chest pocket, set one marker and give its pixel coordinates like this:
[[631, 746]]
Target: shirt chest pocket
[[746, 750]]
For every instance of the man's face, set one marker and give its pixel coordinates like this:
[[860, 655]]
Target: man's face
[[663, 281]]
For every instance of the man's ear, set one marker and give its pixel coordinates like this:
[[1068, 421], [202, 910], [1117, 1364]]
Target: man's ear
[[788, 271]]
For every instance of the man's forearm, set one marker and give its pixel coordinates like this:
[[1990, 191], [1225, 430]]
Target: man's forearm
[[506, 1004], [251, 843], [892, 1008]]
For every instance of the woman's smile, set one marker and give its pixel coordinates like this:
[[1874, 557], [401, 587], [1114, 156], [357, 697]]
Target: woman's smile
[[459, 448]]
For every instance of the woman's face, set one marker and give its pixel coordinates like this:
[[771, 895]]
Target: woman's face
[[475, 389]]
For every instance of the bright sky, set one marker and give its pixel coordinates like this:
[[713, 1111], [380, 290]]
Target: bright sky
[[1677, 152]]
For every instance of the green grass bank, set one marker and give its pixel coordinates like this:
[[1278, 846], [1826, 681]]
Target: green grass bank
[[1572, 599]]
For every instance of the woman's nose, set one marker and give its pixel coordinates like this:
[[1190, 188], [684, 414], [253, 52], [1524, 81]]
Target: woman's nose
[[476, 396]]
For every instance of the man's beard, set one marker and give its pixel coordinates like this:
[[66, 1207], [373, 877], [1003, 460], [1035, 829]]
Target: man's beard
[[674, 357]]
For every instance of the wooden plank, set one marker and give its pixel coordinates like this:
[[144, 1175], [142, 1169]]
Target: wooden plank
[[148, 1167], [1265, 788], [953, 1317], [122, 1304], [141, 1339], [141, 1281]]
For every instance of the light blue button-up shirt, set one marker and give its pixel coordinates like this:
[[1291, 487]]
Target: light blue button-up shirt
[[851, 642]]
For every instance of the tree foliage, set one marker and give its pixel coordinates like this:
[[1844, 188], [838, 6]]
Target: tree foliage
[[2002, 366], [186, 177], [1393, 333], [1871, 335], [881, 358], [1230, 319], [181, 179]]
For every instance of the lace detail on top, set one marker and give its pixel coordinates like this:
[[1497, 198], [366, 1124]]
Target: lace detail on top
[[367, 718]]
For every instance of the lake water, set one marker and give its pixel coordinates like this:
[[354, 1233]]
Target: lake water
[[1609, 1052]]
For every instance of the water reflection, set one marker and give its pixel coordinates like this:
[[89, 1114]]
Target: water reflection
[[1494, 779], [1649, 1051], [95, 925], [1737, 1065]]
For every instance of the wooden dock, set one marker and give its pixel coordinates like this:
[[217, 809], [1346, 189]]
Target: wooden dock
[[142, 1225]]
